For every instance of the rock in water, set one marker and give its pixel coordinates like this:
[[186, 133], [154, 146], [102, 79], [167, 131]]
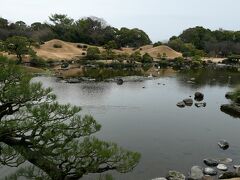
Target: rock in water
[[223, 144], [174, 175], [225, 161], [228, 175], [188, 102], [231, 109], [210, 162], [222, 167], [181, 104], [204, 104], [210, 171], [196, 173], [198, 96], [119, 81]]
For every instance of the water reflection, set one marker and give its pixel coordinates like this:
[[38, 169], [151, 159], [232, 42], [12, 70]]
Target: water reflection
[[148, 121]]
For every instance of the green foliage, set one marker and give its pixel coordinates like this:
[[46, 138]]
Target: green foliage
[[108, 54], [215, 43], [93, 53], [111, 45], [36, 61], [34, 127], [136, 56], [132, 37], [147, 58], [18, 45], [159, 43]]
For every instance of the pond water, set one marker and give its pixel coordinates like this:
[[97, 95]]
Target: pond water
[[148, 121]]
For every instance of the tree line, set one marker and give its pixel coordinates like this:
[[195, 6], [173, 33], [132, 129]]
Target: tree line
[[90, 30], [202, 41]]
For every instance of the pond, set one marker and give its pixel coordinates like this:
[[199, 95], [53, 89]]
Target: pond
[[148, 121]]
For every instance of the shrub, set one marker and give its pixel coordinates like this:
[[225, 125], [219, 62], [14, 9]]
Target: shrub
[[57, 45], [38, 62], [93, 53]]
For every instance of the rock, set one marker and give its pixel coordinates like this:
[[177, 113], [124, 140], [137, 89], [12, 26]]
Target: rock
[[222, 167], [210, 171], [231, 109], [143, 87], [236, 166], [225, 161], [181, 104], [204, 104], [161, 178], [192, 79], [174, 175], [196, 173], [210, 162], [119, 81], [223, 144], [229, 95], [198, 96], [188, 102], [228, 175]]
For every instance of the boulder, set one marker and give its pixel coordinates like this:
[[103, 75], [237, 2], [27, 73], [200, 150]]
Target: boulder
[[198, 96], [210, 162], [160, 178], [175, 175], [222, 167], [223, 144], [119, 81], [228, 175], [210, 171], [181, 104], [204, 104], [196, 173], [231, 109], [188, 102]]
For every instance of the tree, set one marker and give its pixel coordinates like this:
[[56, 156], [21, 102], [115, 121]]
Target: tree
[[18, 45], [93, 53], [147, 58], [34, 127]]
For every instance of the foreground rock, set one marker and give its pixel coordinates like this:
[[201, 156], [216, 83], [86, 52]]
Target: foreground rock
[[161, 178], [223, 144], [210, 171], [229, 175], [210, 162], [175, 175], [188, 102], [198, 96], [231, 109], [222, 167], [181, 104], [196, 173]]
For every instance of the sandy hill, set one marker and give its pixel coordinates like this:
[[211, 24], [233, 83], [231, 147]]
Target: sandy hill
[[160, 50], [69, 51]]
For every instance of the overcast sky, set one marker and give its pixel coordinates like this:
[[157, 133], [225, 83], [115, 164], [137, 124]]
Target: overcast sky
[[160, 19]]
